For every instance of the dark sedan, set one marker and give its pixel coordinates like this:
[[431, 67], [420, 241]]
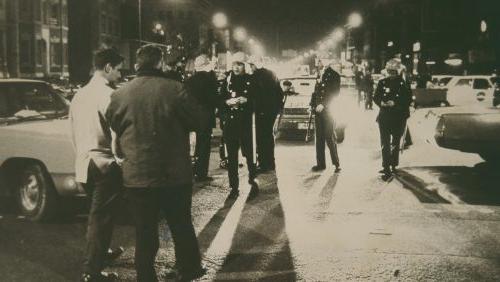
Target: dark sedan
[[472, 132]]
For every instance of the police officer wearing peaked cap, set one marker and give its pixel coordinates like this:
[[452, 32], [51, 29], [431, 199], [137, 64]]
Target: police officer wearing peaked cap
[[237, 103], [393, 96]]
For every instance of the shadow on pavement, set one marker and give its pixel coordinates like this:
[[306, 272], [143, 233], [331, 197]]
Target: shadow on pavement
[[476, 185], [260, 249], [325, 198]]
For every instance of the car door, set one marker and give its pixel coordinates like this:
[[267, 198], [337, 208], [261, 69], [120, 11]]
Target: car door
[[460, 93]]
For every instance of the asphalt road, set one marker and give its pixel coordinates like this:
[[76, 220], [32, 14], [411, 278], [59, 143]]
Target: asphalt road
[[437, 220]]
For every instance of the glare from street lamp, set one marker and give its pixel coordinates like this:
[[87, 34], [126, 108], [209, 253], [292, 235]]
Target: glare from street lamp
[[484, 26], [251, 41], [240, 34], [354, 20], [219, 20], [338, 34], [158, 26]]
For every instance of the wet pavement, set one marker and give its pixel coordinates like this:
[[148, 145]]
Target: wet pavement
[[437, 220]]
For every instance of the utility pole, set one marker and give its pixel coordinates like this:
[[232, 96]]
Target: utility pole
[[61, 25]]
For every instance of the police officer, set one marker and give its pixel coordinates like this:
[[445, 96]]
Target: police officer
[[268, 103], [326, 89], [203, 85], [393, 96], [237, 96]]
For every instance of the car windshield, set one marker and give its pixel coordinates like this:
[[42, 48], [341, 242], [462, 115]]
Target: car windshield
[[28, 101], [443, 81]]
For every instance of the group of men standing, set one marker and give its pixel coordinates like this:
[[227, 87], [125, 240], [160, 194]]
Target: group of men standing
[[133, 142]]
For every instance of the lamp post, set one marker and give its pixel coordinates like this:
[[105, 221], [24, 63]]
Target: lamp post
[[220, 22], [355, 20]]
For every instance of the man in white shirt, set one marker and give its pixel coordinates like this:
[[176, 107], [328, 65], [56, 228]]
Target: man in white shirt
[[95, 165]]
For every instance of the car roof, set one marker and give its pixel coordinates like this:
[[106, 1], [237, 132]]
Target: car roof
[[21, 80]]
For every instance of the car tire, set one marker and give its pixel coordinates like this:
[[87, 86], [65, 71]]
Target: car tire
[[490, 157], [36, 196]]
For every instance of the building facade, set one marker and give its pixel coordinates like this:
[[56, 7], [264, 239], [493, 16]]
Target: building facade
[[33, 38]]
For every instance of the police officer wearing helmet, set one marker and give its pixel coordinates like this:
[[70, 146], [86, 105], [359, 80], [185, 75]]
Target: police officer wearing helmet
[[268, 103], [326, 89], [203, 85], [237, 95], [393, 96]]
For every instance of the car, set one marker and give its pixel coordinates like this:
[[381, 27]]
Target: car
[[295, 118], [469, 90], [471, 131], [36, 153]]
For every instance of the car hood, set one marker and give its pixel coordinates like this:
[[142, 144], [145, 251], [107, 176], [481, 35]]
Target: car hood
[[55, 127]]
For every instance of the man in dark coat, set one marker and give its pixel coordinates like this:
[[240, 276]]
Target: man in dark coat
[[326, 89], [203, 85], [268, 103], [152, 117], [237, 103], [367, 85], [393, 96]]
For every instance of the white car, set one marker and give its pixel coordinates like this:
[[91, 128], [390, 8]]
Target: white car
[[470, 90]]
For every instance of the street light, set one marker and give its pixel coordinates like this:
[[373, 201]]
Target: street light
[[219, 20], [240, 34], [354, 20], [484, 26]]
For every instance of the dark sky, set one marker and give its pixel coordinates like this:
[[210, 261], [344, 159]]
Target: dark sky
[[297, 24]]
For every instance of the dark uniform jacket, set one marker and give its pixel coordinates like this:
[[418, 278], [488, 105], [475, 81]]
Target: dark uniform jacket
[[152, 117], [237, 86], [397, 90], [203, 85], [326, 89], [269, 95]]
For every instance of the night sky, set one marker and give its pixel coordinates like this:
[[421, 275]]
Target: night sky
[[297, 24]]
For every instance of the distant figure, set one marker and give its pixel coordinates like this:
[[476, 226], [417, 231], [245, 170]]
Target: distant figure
[[367, 84]]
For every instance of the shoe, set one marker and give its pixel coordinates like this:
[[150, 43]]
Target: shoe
[[203, 178], [101, 277], [384, 171], [233, 194], [394, 168], [318, 168], [387, 176], [113, 254], [337, 169]]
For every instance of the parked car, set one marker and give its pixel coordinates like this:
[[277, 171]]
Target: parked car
[[473, 132], [295, 116], [470, 90], [36, 154], [441, 81]]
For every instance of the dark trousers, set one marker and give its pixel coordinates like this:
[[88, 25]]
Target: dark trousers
[[202, 151], [238, 134], [265, 140], [391, 131], [175, 202], [325, 133], [104, 190]]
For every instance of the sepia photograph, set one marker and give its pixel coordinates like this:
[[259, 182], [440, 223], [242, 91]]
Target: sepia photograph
[[249, 140]]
